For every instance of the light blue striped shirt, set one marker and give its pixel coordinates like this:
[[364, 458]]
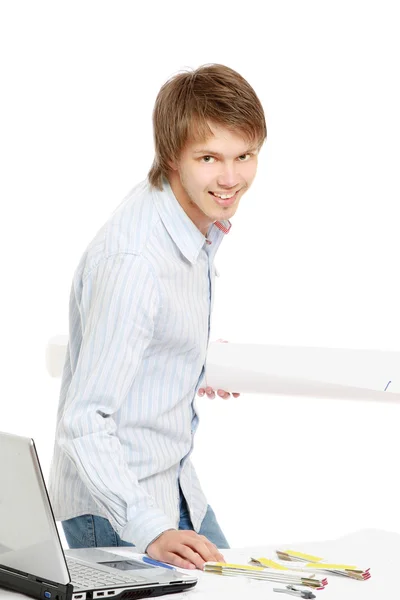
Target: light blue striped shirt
[[139, 328]]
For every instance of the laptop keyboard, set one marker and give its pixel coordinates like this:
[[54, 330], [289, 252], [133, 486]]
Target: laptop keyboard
[[90, 577]]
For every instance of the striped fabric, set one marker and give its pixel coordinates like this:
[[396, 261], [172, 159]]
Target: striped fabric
[[139, 328]]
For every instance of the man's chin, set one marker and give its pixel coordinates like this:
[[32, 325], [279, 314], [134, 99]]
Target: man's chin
[[225, 213], [219, 213]]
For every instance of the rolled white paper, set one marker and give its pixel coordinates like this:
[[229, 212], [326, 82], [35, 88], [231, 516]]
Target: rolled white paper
[[55, 355], [304, 371]]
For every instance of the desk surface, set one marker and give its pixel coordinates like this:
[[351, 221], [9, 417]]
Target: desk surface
[[379, 550]]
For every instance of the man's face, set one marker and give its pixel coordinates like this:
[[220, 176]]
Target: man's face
[[212, 175]]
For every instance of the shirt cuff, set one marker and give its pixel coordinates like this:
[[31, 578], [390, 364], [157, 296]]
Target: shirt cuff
[[147, 526]]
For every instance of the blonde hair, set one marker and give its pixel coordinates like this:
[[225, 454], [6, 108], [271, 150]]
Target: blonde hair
[[190, 100]]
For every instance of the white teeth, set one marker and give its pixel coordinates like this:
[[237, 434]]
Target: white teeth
[[224, 196]]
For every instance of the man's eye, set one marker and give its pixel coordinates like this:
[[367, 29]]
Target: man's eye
[[244, 157], [208, 159]]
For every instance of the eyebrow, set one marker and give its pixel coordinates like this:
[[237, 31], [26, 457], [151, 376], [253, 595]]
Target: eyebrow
[[208, 152]]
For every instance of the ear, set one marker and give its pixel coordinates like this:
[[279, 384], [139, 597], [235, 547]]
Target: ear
[[173, 165]]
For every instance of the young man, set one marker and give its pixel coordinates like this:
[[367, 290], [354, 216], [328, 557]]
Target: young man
[[139, 329]]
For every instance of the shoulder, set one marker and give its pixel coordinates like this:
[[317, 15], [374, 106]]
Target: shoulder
[[129, 230]]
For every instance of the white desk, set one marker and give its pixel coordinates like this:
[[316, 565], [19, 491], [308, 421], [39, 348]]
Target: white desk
[[379, 550]]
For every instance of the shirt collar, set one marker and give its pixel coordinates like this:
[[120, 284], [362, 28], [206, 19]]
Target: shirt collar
[[182, 230]]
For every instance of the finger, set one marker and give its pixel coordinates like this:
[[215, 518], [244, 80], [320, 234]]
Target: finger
[[235, 394], [223, 394], [191, 556], [202, 548], [214, 550], [218, 557], [222, 341], [209, 543], [178, 561], [202, 544], [210, 392], [201, 392]]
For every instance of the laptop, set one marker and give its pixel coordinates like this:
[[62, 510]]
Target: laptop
[[32, 560]]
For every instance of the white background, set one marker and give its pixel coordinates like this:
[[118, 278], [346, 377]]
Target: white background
[[312, 258]]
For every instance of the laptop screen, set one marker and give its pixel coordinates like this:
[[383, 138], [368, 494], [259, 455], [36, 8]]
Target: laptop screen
[[29, 540]]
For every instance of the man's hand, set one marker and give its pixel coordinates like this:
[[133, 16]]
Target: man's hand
[[222, 393], [184, 548]]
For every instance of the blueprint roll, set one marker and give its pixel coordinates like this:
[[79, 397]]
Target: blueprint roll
[[55, 355], [304, 371]]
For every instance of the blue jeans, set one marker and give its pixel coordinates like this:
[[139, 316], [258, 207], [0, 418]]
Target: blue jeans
[[89, 531]]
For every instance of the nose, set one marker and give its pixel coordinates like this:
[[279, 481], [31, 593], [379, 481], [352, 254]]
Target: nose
[[228, 176]]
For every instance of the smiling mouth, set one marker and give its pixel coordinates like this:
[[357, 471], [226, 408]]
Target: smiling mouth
[[225, 200], [224, 196]]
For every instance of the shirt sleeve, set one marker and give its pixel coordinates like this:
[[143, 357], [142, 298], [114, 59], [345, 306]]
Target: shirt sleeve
[[118, 305]]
